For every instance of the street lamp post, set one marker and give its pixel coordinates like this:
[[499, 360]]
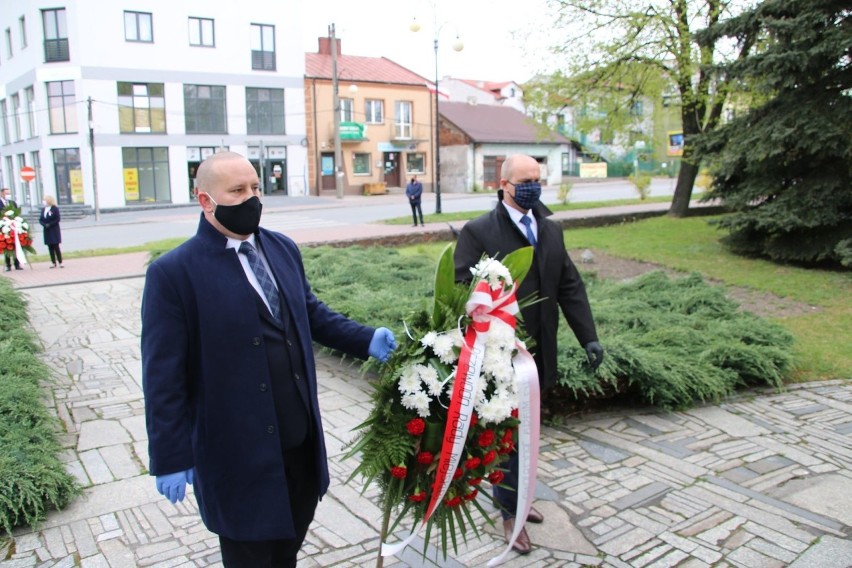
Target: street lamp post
[[457, 46]]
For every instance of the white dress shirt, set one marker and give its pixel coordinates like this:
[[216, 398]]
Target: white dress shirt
[[517, 216]]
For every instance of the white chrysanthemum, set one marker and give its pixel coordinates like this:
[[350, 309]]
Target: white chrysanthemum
[[6, 229], [429, 339], [443, 348], [409, 381], [493, 271], [434, 387], [497, 409]]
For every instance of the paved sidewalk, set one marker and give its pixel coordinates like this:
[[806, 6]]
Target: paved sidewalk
[[763, 480]]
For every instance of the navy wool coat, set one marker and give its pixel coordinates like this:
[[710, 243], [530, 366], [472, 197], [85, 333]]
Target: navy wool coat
[[50, 222], [552, 277], [204, 371]]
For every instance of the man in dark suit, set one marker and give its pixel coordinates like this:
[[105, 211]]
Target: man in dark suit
[[228, 321], [520, 220], [6, 201]]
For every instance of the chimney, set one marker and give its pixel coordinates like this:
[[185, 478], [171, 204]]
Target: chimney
[[325, 46]]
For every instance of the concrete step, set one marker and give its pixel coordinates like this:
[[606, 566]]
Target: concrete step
[[66, 212]]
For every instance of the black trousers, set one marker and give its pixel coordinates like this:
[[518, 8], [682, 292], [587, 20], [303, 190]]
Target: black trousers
[[55, 254], [415, 209], [302, 485], [9, 261]]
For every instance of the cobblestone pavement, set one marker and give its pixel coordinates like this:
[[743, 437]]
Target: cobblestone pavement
[[763, 480]]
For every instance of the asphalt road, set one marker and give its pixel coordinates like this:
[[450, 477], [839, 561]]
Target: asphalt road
[[283, 213]]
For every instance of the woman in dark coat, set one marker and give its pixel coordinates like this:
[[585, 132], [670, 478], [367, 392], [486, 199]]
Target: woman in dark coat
[[49, 219]]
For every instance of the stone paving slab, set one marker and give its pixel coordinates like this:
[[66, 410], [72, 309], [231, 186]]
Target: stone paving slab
[[758, 481]]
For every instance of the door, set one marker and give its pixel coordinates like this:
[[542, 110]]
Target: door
[[391, 160], [328, 169], [193, 168], [66, 170], [491, 166], [277, 180]]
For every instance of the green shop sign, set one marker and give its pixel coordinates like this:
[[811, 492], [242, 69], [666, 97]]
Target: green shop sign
[[351, 131]]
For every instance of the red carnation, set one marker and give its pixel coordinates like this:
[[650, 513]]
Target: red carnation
[[496, 476], [399, 471], [507, 447], [459, 472], [475, 481], [515, 413], [472, 463], [472, 495], [417, 497], [489, 457], [486, 438], [473, 419], [508, 435], [425, 458], [453, 502], [416, 426]]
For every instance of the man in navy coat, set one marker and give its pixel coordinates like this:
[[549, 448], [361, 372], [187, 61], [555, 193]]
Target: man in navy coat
[[229, 375], [518, 221]]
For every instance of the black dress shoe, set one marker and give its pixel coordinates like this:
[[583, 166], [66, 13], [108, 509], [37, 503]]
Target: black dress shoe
[[19, 268], [534, 516], [522, 543]]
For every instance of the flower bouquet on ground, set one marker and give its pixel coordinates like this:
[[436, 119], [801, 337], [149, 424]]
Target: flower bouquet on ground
[[15, 235], [457, 396]]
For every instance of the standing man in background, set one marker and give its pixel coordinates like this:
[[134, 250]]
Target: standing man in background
[[518, 221], [228, 323], [414, 190]]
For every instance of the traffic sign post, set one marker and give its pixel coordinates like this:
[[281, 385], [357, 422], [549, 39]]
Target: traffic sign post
[[27, 174]]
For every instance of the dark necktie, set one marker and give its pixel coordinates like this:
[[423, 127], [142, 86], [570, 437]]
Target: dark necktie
[[526, 222], [263, 278]]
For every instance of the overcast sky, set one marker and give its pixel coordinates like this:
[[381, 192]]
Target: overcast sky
[[503, 39]]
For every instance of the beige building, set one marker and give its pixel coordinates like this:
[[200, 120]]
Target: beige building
[[386, 116]]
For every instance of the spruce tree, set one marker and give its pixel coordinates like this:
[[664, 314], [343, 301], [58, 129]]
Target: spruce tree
[[785, 166]]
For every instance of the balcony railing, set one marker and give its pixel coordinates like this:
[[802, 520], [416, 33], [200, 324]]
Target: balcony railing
[[56, 50]]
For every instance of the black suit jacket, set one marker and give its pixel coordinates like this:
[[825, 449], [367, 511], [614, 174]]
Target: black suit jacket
[[553, 277]]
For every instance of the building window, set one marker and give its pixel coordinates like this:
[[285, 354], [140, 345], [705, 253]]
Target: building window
[[361, 164], [414, 162], [204, 108], [141, 107], [62, 110], [402, 124], [146, 175], [55, 35], [31, 124], [4, 115], [138, 26], [265, 111], [22, 25], [201, 32], [16, 115], [263, 47], [374, 111], [9, 51], [636, 109], [347, 110]]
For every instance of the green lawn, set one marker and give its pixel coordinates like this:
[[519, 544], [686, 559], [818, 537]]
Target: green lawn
[[692, 245]]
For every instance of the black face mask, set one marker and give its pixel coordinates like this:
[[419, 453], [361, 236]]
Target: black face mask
[[241, 219]]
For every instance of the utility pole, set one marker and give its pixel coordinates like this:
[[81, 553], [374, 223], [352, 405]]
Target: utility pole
[[338, 154], [94, 167]]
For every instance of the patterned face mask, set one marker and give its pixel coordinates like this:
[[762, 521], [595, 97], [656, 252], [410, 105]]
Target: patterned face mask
[[526, 194]]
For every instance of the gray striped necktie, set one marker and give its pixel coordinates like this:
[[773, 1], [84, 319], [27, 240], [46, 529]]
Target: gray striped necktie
[[263, 278]]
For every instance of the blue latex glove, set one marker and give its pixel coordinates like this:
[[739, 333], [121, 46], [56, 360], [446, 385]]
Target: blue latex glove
[[172, 486], [595, 353], [382, 344]]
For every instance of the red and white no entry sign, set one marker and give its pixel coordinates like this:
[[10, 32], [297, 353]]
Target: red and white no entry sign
[[27, 174]]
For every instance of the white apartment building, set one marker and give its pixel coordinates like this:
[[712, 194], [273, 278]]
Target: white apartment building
[[154, 86]]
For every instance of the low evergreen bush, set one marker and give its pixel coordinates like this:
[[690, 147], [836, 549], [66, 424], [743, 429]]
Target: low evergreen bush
[[32, 479], [669, 342]]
